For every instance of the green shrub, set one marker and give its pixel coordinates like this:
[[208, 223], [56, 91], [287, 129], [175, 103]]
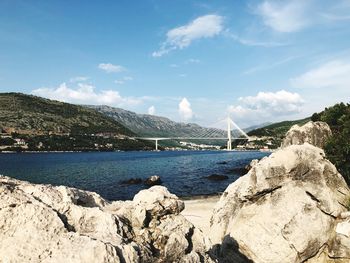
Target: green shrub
[[337, 148]]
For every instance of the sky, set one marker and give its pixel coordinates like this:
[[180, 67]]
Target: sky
[[188, 60]]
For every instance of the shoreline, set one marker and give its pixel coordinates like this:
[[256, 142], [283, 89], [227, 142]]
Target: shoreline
[[97, 151]]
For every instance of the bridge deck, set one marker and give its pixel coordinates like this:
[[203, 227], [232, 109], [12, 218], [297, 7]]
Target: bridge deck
[[186, 138]]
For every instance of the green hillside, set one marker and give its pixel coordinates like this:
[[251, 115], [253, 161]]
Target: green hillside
[[277, 130], [34, 114], [30, 123]]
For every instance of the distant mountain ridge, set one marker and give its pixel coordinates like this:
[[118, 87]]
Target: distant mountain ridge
[[146, 125], [31, 113]]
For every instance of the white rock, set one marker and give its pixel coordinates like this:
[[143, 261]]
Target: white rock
[[315, 133], [345, 215], [343, 228], [283, 210], [42, 223]]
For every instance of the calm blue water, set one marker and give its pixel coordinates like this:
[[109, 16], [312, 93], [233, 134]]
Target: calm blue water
[[182, 172]]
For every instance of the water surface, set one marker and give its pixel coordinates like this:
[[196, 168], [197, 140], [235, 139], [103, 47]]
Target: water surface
[[182, 172]]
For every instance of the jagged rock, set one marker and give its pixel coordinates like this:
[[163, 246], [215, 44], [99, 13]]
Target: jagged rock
[[249, 166], [55, 231], [337, 249], [283, 210], [315, 133], [153, 180], [340, 246], [43, 223], [156, 221]]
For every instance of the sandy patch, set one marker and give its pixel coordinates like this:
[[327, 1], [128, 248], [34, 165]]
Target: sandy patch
[[198, 211]]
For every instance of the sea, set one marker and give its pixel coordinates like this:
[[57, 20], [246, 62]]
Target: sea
[[184, 173]]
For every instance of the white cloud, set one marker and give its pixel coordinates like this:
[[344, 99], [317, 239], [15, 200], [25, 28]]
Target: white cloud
[[151, 110], [182, 75], [185, 110], [333, 74], [110, 68], [266, 106], [284, 16], [78, 79], [85, 94], [174, 65], [181, 37], [119, 82]]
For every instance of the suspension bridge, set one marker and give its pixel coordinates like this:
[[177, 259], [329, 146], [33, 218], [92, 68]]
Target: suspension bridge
[[230, 133]]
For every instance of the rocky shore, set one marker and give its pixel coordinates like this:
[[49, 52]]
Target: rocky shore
[[292, 206]]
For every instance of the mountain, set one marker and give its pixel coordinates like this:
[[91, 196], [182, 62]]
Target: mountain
[[254, 127], [277, 130], [145, 125], [30, 114]]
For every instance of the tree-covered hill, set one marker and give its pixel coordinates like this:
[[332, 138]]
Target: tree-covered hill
[[30, 123], [32, 114], [277, 130]]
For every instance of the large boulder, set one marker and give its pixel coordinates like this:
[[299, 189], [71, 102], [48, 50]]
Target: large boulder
[[284, 210], [155, 218], [315, 133], [43, 223]]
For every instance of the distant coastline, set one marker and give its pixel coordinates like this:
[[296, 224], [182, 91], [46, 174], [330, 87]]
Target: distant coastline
[[111, 151]]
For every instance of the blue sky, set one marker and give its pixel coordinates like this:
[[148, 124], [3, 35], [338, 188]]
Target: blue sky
[[192, 61]]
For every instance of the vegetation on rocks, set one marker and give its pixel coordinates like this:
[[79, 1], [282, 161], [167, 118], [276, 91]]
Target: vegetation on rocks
[[337, 147]]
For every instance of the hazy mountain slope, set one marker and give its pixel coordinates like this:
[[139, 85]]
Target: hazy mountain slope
[[149, 125], [254, 127], [34, 114]]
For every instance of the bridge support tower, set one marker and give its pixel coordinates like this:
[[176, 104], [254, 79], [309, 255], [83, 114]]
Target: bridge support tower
[[229, 136], [156, 144]]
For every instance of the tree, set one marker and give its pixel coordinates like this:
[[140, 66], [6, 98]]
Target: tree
[[316, 117], [337, 147]]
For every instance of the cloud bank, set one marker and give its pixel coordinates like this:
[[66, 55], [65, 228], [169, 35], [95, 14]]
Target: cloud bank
[[85, 94], [266, 105]]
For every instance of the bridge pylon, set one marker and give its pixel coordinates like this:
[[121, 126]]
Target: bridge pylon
[[229, 136]]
